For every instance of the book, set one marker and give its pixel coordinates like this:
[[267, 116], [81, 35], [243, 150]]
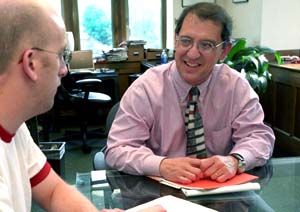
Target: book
[[207, 186], [173, 204]]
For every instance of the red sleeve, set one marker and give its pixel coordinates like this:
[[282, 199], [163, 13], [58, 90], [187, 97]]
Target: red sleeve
[[39, 177]]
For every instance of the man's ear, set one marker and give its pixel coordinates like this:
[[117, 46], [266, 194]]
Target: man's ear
[[175, 41], [225, 51], [29, 65]]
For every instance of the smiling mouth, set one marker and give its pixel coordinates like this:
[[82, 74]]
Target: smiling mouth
[[192, 64]]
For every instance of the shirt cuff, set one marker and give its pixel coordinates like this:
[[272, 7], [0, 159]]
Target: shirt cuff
[[39, 177], [152, 165]]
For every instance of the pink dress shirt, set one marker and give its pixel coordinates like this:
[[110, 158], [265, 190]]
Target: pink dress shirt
[[149, 125]]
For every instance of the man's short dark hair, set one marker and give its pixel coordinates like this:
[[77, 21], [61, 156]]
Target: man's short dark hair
[[208, 11]]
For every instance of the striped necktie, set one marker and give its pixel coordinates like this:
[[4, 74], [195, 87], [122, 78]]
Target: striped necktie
[[194, 126]]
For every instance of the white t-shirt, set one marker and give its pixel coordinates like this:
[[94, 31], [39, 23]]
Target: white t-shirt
[[23, 165]]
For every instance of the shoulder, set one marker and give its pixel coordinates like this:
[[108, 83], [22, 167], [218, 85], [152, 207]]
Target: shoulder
[[230, 83], [153, 79], [150, 89], [159, 72], [23, 134], [26, 145], [225, 77], [223, 72]]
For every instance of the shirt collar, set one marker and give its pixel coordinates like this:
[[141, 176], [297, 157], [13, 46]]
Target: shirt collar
[[183, 87], [5, 135]]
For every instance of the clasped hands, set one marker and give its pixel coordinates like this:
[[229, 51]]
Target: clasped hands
[[188, 170]]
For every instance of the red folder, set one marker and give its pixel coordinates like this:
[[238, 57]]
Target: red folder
[[205, 184]]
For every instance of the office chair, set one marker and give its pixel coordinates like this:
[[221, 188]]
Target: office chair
[[99, 160], [80, 89]]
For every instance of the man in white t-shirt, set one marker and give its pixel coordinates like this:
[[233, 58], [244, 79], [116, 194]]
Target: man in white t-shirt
[[33, 60]]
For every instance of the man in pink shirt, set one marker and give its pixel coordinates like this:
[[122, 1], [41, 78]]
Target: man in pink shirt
[[148, 134]]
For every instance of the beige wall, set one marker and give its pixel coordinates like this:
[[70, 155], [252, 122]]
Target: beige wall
[[246, 19], [281, 24], [272, 23]]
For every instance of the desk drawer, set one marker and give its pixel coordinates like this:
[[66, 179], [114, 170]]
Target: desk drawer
[[136, 53]]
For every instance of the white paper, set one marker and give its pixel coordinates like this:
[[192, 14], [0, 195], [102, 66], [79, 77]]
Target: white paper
[[98, 177], [100, 186], [225, 189], [172, 204]]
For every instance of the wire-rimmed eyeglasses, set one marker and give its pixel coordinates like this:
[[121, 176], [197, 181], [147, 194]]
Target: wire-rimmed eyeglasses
[[204, 46], [66, 55]]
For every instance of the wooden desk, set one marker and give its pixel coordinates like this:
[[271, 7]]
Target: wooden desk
[[281, 105], [124, 69], [148, 64], [295, 67]]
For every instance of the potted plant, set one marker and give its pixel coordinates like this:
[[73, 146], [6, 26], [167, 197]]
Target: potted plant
[[252, 63]]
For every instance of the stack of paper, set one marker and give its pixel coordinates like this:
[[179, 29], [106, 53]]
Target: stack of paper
[[221, 190], [98, 179], [172, 204]]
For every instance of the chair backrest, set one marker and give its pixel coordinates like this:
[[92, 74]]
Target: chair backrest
[[111, 116], [99, 158], [82, 60]]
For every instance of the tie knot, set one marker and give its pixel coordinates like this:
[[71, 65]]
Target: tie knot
[[194, 91]]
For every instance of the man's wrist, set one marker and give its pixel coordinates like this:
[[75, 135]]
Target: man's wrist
[[241, 164]]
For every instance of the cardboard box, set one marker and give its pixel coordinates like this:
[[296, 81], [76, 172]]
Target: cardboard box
[[153, 55], [135, 52]]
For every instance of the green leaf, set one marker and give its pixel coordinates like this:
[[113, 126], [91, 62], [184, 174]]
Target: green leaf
[[237, 47], [244, 52], [278, 58], [262, 85], [252, 63], [264, 64], [253, 79], [265, 50]]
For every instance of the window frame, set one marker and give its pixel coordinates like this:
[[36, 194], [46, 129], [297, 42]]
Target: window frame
[[119, 20]]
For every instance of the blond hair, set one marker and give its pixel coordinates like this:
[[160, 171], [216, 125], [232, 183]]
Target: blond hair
[[21, 21]]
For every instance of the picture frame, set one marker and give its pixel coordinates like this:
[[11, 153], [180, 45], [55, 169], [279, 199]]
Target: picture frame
[[239, 1], [186, 3]]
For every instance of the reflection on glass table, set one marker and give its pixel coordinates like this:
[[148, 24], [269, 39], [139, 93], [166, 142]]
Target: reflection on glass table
[[279, 180]]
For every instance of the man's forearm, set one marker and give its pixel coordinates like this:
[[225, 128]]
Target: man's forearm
[[66, 198]]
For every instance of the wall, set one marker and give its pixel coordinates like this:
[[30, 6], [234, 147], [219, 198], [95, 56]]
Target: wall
[[177, 9], [275, 24], [281, 24], [246, 19]]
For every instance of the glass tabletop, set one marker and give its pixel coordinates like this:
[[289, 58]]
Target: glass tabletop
[[279, 180]]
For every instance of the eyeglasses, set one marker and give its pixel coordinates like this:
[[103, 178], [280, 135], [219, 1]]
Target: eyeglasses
[[205, 47], [66, 55]]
